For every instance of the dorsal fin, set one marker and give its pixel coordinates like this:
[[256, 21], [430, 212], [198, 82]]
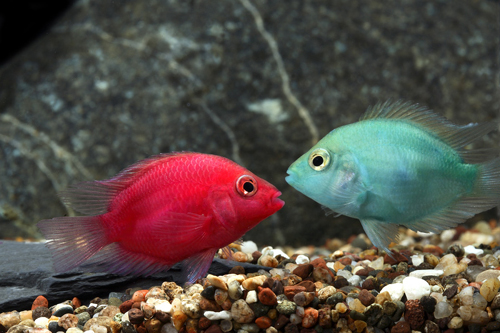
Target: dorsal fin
[[454, 135], [94, 197]]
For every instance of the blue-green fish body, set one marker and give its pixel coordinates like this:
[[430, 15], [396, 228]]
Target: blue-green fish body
[[400, 165]]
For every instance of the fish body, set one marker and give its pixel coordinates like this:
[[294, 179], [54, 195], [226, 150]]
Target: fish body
[[400, 165], [160, 211]]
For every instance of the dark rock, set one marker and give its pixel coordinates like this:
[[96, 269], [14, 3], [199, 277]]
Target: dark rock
[[384, 322], [373, 314], [259, 309], [54, 327], [450, 291], [62, 310], [291, 328], [32, 275], [429, 303], [136, 316], [209, 293]]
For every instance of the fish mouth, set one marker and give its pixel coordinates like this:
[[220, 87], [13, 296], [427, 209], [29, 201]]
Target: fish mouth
[[289, 179], [277, 202]]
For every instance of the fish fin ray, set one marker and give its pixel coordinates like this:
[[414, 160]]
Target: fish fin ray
[[454, 135], [73, 240], [197, 266], [115, 259], [94, 197], [329, 211], [380, 233]]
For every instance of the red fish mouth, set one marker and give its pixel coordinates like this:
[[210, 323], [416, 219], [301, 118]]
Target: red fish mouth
[[277, 202]]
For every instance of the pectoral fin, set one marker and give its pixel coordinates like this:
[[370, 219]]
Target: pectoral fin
[[381, 233]]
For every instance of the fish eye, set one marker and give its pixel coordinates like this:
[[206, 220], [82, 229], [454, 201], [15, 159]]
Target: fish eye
[[319, 159], [246, 185]]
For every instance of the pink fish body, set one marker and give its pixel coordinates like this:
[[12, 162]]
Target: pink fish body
[[160, 211]]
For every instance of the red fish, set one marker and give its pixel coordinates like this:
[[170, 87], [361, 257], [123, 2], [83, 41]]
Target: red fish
[[160, 211]]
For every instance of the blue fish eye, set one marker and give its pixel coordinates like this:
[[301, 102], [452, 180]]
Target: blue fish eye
[[319, 159]]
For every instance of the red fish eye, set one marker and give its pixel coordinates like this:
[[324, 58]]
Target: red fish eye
[[246, 185]]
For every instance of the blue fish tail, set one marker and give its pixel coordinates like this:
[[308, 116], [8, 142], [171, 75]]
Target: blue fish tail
[[73, 240], [488, 184]]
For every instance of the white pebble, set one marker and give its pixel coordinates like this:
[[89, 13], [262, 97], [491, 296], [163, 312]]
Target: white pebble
[[345, 273], [165, 307], [420, 273], [221, 315], [251, 328], [42, 322], [395, 290], [277, 272], [442, 310], [302, 259], [268, 250], [377, 263], [249, 247], [472, 249], [447, 235], [251, 297], [280, 252], [354, 280], [417, 259], [416, 288]]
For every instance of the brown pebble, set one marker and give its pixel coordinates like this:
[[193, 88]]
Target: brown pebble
[[291, 291], [263, 322], [323, 274], [135, 316], [303, 270], [304, 298], [256, 255], [366, 297], [213, 329], [475, 262], [125, 306], [401, 327], [267, 297], [204, 323], [208, 305], [141, 329], [40, 301], [281, 321], [345, 261], [414, 314], [309, 285], [397, 258], [164, 317], [41, 311]]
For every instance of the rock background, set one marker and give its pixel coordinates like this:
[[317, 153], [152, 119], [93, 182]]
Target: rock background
[[256, 81]]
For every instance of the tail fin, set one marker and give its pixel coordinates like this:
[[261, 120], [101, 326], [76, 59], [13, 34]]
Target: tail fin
[[73, 239], [488, 185]]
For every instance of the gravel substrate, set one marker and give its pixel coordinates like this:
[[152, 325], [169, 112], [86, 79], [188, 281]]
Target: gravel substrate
[[432, 283]]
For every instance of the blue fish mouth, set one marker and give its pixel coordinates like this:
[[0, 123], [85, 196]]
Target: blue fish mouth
[[290, 178]]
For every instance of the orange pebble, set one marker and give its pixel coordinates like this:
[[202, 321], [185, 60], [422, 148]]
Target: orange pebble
[[76, 303], [139, 296], [40, 301]]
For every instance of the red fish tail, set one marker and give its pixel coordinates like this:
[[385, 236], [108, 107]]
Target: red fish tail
[[73, 240]]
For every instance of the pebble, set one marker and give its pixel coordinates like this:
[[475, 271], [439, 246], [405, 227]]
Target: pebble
[[415, 288], [312, 290]]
